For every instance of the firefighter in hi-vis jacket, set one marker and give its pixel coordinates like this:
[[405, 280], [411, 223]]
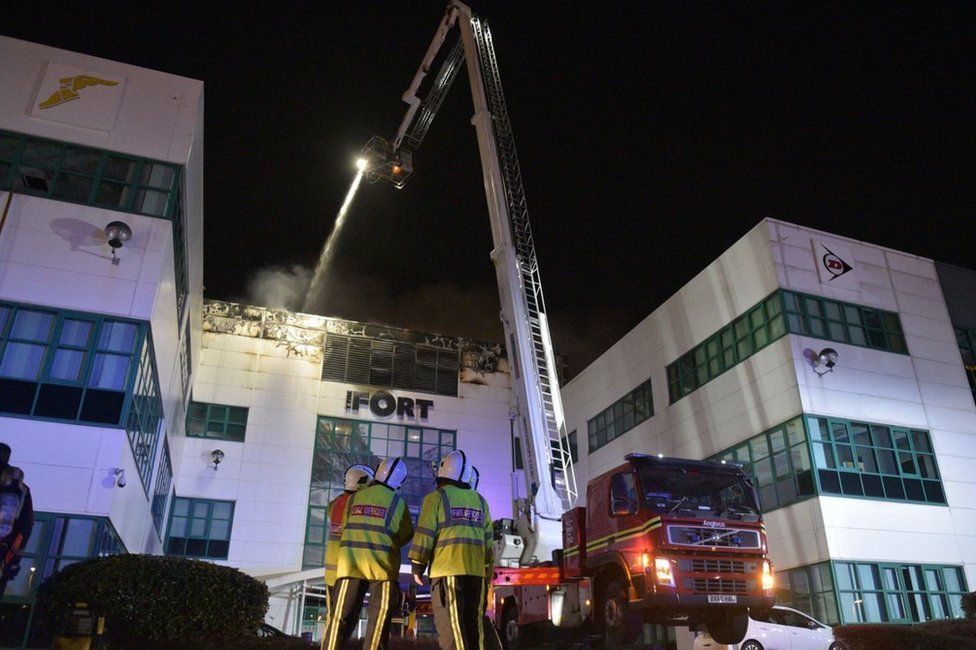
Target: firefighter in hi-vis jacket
[[454, 540], [377, 526], [356, 478]]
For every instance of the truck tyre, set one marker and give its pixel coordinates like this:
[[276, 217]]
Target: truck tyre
[[619, 624], [510, 628], [727, 626]]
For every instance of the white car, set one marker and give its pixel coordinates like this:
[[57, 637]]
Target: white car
[[781, 629]]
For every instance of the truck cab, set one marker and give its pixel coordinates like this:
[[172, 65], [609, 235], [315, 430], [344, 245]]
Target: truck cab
[[675, 542]]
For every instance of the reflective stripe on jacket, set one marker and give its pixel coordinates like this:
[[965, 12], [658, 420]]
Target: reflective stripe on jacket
[[453, 533], [377, 525], [335, 520]]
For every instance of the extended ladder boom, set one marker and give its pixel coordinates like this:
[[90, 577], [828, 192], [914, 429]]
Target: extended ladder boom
[[537, 408]]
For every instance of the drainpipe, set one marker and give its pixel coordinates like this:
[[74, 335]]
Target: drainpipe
[[6, 209]]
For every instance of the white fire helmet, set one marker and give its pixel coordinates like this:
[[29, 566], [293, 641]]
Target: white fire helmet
[[454, 466], [357, 477], [391, 472], [473, 477]]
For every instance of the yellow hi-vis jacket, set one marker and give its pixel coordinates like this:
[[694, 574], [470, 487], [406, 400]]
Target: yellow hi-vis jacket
[[377, 526], [453, 534], [335, 520]]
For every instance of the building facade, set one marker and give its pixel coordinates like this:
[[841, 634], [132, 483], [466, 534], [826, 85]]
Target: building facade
[[863, 469], [96, 348]]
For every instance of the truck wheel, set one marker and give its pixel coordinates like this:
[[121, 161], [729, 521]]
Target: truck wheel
[[621, 627], [727, 626], [510, 628]]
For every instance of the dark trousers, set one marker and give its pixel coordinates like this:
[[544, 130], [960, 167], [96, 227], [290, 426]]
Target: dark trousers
[[490, 634], [347, 603], [456, 601]]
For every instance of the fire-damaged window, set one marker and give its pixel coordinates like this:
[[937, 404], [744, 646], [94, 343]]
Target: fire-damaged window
[[390, 364]]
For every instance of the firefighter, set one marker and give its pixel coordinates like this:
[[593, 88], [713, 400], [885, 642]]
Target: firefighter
[[16, 517], [453, 543], [377, 525], [356, 478]]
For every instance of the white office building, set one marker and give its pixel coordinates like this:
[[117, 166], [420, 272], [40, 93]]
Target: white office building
[[864, 469]]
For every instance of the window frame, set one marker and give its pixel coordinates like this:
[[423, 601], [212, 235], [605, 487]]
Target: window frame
[[611, 423], [192, 501], [224, 421]]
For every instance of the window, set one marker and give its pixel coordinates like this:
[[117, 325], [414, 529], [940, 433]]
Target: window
[[780, 313], [340, 443], [779, 462], [621, 416], [216, 421], [77, 174], [569, 442], [966, 337], [900, 593], [809, 589], [179, 253], [762, 324], [164, 480], [185, 361], [874, 460], [145, 413], [200, 528], [843, 322], [623, 493], [519, 464], [70, 366], [388, 363]]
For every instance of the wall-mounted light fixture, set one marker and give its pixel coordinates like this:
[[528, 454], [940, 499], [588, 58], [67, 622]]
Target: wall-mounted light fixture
[[216, 456], [117, 234], [826, 359], [119, 474]]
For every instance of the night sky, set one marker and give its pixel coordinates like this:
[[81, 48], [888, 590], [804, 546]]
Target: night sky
[[651, 137]]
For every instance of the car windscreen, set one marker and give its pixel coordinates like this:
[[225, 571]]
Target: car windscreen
[[697, 493]]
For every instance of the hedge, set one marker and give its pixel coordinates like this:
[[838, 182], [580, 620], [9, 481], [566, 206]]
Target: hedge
[[152, 601], [969, 605], [933, 635]]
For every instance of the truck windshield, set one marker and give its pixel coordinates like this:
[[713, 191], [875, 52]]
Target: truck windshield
[[697, 493]]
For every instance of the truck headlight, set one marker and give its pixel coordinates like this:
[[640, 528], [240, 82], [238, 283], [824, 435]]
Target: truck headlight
[[662, 571], [767, 576]]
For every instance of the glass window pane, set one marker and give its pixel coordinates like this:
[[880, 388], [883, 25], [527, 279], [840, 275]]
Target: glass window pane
[[78, 537], [181, 507], [219, 529], [75, 332], [926, 466], [151, 202], [22, 360], [32, 325], [123, 169], [198, 528], [759, 447], [887, 462], [865, 459], [109, 371], [839, 431], [819, 429], [42, 153], [156, 175], [764, 471], [66, 365], [72, 187], [117, 337], [823, 455], [953, 579], [201, 509], [845, 457], [867, 575], [794, 431], [920, 439], [112, 194], [881, 436], [81, 160]]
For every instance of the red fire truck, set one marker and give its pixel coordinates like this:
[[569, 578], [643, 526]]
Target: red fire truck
[[661, 540]]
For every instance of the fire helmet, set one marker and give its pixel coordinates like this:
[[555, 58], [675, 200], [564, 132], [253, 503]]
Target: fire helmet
[[472, 478], [391, 472], [454, 466], [357, 477]]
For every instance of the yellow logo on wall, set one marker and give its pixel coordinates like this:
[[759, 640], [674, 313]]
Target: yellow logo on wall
[[70, 87]]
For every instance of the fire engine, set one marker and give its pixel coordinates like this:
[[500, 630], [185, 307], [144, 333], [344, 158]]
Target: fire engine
[[660, 540]]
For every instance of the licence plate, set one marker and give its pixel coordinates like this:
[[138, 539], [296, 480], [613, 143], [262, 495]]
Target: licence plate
[[722, 599]]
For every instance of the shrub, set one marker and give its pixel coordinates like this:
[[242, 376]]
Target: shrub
[[934, 635], [153, 601], [969, 605]]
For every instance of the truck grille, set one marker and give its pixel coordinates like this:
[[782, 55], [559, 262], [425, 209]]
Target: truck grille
[[723, 566], [720, 586], [720, 537]]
